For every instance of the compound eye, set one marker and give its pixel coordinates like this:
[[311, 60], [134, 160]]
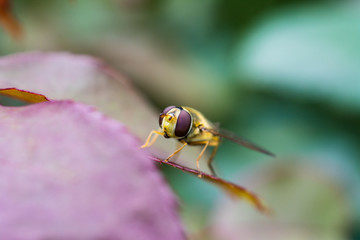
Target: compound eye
[[183, 124], [165, 111]]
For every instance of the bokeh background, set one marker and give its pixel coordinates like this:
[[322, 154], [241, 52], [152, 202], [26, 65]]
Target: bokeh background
[[283, 73]]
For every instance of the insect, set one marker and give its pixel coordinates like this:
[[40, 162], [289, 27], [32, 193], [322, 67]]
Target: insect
[[190, 127]]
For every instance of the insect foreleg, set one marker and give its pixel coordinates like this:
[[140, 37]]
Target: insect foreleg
[[148, 143], [178, 150], [175, 157]]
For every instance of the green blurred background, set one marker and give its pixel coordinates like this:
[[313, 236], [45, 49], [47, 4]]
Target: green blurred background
[[285, 74]]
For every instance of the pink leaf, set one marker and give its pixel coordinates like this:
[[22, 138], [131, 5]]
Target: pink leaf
[[69, 172], [61, 75]]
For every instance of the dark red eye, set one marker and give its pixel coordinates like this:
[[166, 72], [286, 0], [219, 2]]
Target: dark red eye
[[166, 110], [183, 124]]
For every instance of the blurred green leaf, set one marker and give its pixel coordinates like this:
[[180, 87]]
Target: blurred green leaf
[[310, 51]]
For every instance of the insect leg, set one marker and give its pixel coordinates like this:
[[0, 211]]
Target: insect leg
[[200, 155], [153, 140], [176, 151], [211, 158], [148, 143], [178, 145]]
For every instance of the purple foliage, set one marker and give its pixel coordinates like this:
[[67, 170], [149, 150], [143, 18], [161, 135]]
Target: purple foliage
[[69, 172]]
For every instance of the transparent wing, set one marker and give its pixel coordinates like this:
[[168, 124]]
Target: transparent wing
[[239, 140]]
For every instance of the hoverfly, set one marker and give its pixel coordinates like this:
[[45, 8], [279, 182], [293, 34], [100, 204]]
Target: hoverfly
[[190, 127]]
